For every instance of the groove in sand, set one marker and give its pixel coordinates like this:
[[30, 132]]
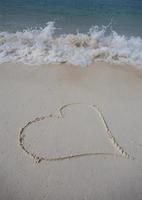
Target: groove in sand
[[38, 158]]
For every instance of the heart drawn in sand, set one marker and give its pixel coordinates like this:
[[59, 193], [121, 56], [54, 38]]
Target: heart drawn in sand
[[60, 114]]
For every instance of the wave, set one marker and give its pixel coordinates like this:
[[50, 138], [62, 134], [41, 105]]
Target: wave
[[43, 46]]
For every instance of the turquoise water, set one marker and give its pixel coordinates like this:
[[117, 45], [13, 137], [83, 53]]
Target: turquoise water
[[72, 15], [85, 31]]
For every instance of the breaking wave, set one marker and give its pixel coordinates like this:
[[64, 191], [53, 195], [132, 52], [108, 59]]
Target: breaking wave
[[43, 46]]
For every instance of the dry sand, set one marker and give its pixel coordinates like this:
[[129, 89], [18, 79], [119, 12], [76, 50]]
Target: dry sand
[[27, 92]]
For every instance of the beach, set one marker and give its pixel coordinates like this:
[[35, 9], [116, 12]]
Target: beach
[[30, 92], [70, 100]]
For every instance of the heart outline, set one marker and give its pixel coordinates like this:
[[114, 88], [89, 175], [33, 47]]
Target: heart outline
[[59, 114]]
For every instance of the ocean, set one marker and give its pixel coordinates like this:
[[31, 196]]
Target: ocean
[[78, 32]]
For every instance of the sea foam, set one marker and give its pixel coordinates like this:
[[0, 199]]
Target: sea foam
[[43, 46]]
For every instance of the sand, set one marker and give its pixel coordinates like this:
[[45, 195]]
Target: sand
[[29, 92]]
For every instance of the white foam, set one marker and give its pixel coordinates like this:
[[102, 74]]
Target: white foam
[[42, 47]]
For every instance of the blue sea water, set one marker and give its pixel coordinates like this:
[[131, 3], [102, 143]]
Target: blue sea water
[[78, 32], [72, 15]]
